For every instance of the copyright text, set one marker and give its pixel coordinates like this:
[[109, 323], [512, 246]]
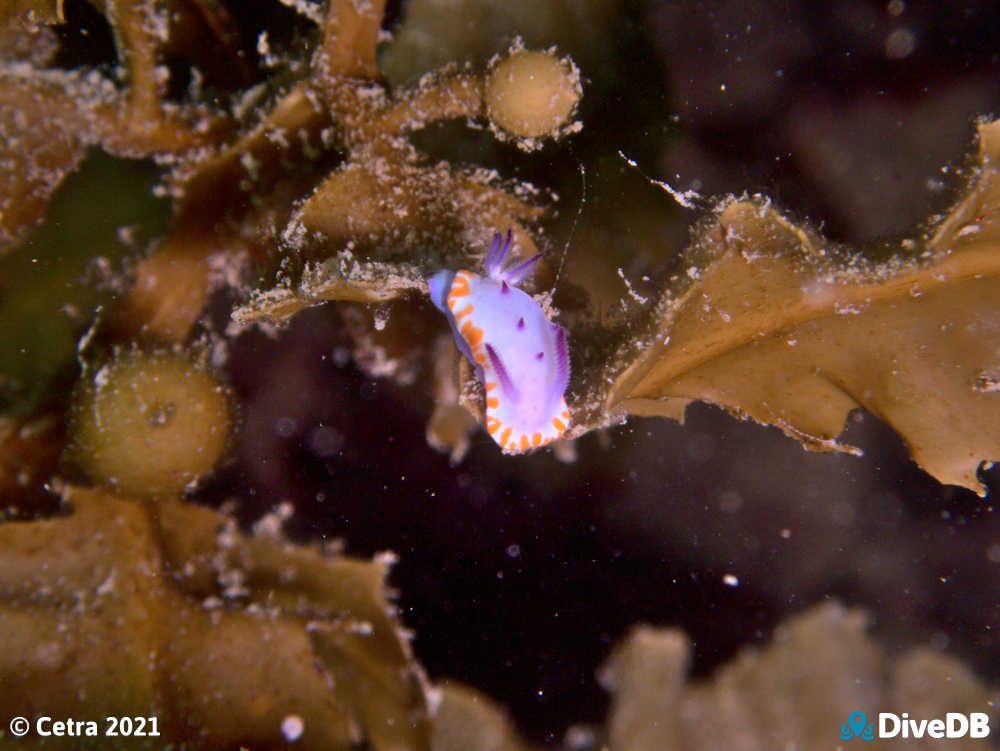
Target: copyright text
[[109, 727]]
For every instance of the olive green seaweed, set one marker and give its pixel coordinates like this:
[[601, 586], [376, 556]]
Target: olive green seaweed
[[779, 325], [795, 692], [166, 609]]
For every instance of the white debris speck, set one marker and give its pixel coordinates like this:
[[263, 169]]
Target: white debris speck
[[565, 451], [292, 727], [250, 164], [846, 309], [102, 377], [294, 234], [987, 383], [161, 73], [270, 524], [233, 583], [269, 59], [279, 137], [731, 580], [311, 10], [900, 43], [632, 293], [126, 235], [250, 98], [361, 628], [108, 585], [580, 737], [685, 198], [386, 558], [155, 22]]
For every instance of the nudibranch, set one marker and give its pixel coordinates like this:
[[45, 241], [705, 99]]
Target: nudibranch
[[520, 355]]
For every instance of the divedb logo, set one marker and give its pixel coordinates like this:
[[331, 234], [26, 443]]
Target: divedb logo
[[953, 725]]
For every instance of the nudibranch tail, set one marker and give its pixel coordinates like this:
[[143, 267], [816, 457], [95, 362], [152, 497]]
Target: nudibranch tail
[[521, 357], [516, 437]]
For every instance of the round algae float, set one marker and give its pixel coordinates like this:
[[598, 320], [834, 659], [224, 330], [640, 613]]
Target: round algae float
[[531, 94], [149, 425]]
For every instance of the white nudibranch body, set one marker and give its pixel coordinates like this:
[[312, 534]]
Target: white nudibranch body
[[520, 356]]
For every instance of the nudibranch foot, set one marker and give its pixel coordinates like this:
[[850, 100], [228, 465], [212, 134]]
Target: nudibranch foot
[[520, 356]]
